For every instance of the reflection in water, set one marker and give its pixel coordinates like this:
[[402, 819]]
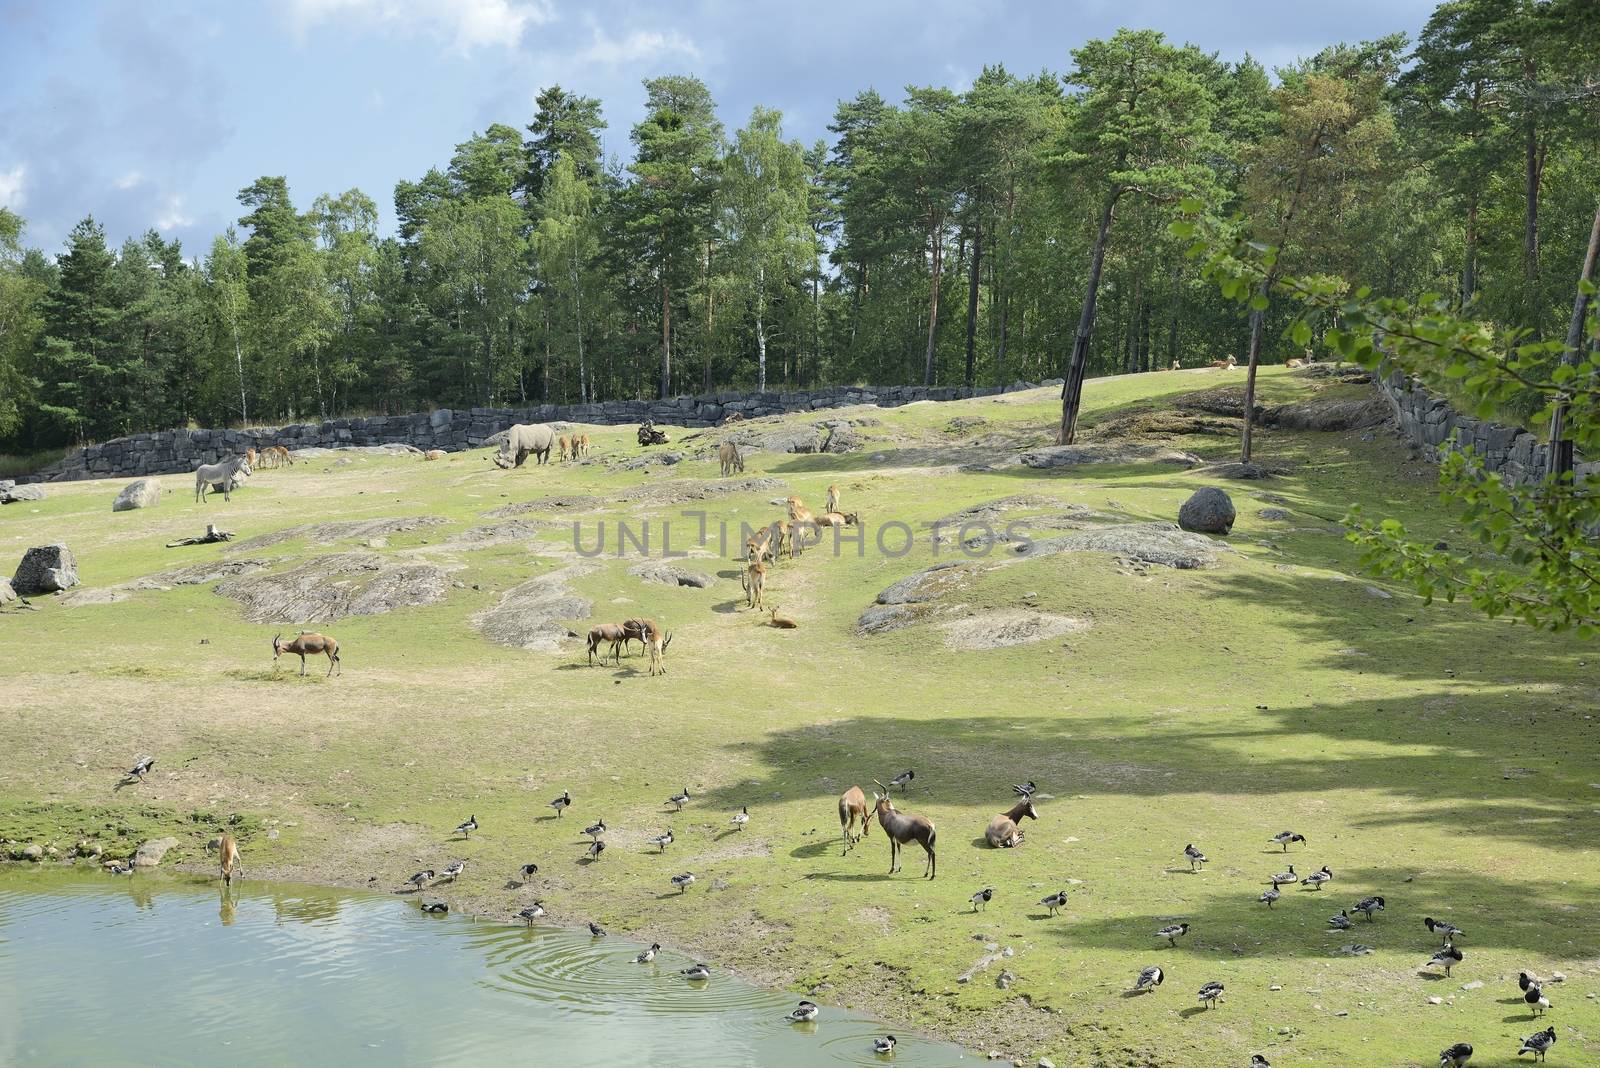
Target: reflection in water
[[299, 975]]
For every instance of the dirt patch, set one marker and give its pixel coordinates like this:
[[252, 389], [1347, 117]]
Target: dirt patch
[[1006, 627], [1151, 543], [85, 598], [332, 587], [530, 616], [328, 533]]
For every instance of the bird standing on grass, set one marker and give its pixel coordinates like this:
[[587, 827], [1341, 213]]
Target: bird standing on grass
[[561, 802], [663, 840], [1055, 902], [678, 800], [741, 817], [684, 881], [1340, 922], [1209, 994], [1024, 789], [982, 897], [1269, 896], [596, 847], [1446, 958], [453, 870], [1456, 1056], [902, 779], [1317, 878], [528, 871], [419, 880], [1367, 906], [141, 767], [1447, 932], [1172, 932], [1527, 979], [1534, 998], [1258, 1061], [466, 828], [1149, 979], [1287, 838], [1538, 1044], [596, 829], [1197, 859]]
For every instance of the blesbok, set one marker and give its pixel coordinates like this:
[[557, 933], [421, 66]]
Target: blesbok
[[781, 622], [902, 827], [1003, 832], [635, 630], [308, 645], [250, 456], [1226, 365], [759, 544], [836, 519], [731, 458], [228, 856], [833, 499], [853, 806], [564, 447], [755, 581], [225, 472], [657, 641], [582, 442], [606, 632]]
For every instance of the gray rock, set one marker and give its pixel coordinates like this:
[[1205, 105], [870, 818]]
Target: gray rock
[[805, 439], [1476, 984], [141, 494], [669, 575], [1109, 453], [924, 585], [1208, 511], [151, 853], [45, 569], [1153, 543], [21, 493], [842, 437], [7, 593], [34, 852], [1276, 514], [1239, 470], [882, 618]]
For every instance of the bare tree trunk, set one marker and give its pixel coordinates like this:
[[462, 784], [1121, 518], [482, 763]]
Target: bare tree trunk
[[1561, 458], [972, 301], [1530, 230], [1072, 388], [937, 234], [705, 377], [666, 337], [761, 329], [1469, 269], [1257, 322], [577, 327]]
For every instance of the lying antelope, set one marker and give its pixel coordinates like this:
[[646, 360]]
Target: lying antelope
[[308, 644], [833, 499], [433, 454], [1003, 832], [902, 827], [836, 519], [564, 447], [1176, 366], [733, 417], [228, 855], [1225, 365], [853, 806], [755, 581], [606, 632], [782, 622]]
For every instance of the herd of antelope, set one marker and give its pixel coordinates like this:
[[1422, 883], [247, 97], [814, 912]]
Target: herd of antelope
[[783, 536]]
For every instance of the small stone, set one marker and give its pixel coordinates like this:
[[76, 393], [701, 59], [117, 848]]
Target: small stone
[[1558, 977], [34, 852], [151, 853], [1285, 1031], [1342, 1012], [1274, 986], [1476, 984], [1009, 952], [1046, 1062], [1436, 1001]]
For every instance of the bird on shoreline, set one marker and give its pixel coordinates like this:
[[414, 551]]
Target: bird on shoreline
[[1317, 878], [696, 973], [119, 867], [1283, 877], [649, 955], [528, 871], [1446, 958], [1209, 994], [1149, 979], [1055, 902], [595, 930], [1367, 906], [1024, 789], [1269, 896], [662, 840], [741, 817], [1172, 932], [884, 1046], [982, 897], [453, 870], [684, 881], [421, 879], [596, 829], [435, 906], [805, 1012], [531, 913], [1340, 922], [466, 828], [1447, 932], [1196, 858], [561, 802], [1538, 1044], [1456, 1056], [678, 800], [1287, 838]]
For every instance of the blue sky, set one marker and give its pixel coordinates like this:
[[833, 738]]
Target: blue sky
[[156, 113]]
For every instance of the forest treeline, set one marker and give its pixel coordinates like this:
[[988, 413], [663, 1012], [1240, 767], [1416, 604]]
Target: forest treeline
[[1014, 229]]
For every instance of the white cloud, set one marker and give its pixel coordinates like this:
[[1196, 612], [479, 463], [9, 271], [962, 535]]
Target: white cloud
[[11, 182], [640, 46], [172, 216], [466, 25], [129, 180]]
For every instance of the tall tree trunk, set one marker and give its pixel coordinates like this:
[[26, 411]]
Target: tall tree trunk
[[1002, 282], [705, 377], [936, 232], [666, 337], [1072, 388], [577, 327], [1257, 322], [972, 301], [1172, 321], [544, 384], [1469, 269], [816, 326], [1533, 165], [1561, 458], [761, 329], [238, 360]]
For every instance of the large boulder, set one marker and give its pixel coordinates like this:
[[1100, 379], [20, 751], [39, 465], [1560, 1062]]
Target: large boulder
[[842, 437], [669, 575], [46, 569], [21, 493], [144, 493], [1150, 543], [1105, 453], [1208, 511], [151, 853]]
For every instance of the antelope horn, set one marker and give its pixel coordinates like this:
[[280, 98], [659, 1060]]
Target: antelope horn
[[882, 787]]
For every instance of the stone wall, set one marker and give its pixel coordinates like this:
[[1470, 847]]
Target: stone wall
[[175, 451]]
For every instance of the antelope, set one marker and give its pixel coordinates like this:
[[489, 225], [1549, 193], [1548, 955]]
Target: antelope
[[901, 827], [565, 448], [657, 641], [1295, 362], [798, 512], [606, 632], [733, 417], [250, 456], [833, 499], [755, 581], [1175, 366], [759, 544], [1225, 365], [782, 622], [853, 806], [433, 454], [635, 630], [228, 852], [1003, 832], [582, 442], [836, 519], [305, 644], [731, 459]]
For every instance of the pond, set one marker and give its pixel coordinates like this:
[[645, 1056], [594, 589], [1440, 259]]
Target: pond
[[151, 970]]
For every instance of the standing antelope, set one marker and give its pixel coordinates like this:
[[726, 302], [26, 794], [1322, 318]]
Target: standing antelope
[[755, 581], [833, 499], [606, 632], [250, 456], [657, 641], [228, 851], [305, 644], [731, 459], [565, 448], [759, 544], [902, 827], [853, 806], [1003, 832]]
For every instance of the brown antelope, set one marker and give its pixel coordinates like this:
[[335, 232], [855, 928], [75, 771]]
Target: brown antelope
[[583, 445], [902, 827], [759, 544], [833, 499], [308, 644], [755, 582], [433, 454], [836, 519], [228, 853], [657, 640], [733, 417], [606, 632], [279, 455], [250, 456], [564, 447], [635, 630], [731, 459], [853, 806], [782, 622], [1003, 832], [1225, 365], [798, 512]]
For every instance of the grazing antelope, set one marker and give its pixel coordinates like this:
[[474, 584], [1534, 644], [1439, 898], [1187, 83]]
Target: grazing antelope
[[227, 472], [853, 806], [433, 454], [755, 581], [731, 458], [833, 499], [782, 622], [606, 632], [564, 447], [228, 857], [657, 641], [901, 827], [308, 644], [1225, 365], [1003, 832]]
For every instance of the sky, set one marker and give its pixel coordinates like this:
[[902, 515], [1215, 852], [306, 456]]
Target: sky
[[156, 114]]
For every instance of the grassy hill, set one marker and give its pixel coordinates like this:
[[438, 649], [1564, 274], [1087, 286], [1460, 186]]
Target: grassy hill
[[1443, 761]]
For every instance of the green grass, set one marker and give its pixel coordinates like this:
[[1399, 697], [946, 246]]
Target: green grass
[[1431, 756]]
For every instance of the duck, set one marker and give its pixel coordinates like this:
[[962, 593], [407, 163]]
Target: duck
[[531, 913], [595, 930], [1340, 922], [1446, 958], [805, 1012], [741, 817], [465, 828], [649, 955], [561, 802], [1149, 978], [1269, 896], [1024, 789], [421, 879], [595, 829], [1209, 994], [596, 847], [982, 897], [1290, 876], [684, 881], [1456, 1056], [1287, 838], [1317, 878], [141, 767], [679, 799], [696, 973], [902, 779], [1534, 998], [1055, 901], [435, 906], [1172, 932], [528, 871], [1367, 906], [884, 1046], [1196, 858], [453, 870], [1258, 1061], [662, 840], [1538, 1044], [1447, 932]]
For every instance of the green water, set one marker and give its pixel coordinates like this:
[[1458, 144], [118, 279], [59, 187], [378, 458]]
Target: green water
[[152, 971]]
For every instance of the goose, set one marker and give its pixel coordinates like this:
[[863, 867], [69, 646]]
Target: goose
[[119, 867], [1456, 1056], [982, 897], [1368, 905], [1446, 958], [1024, 789], [884, 1046], [435, 906], [1538, 1044], [1055, 901], [805, 1012], [1196, 858], [684, 881], [1290, 876], [465, 829], [902, 779], [1172, 932], [1447, 932], [741, 817], [1269, 896], [1527, 979], [531, 913], [1534, 998], [1149, 978], [141, 767], [596, 847], [419, 880], [649, 955], [528, 871], [696, 973], [663, 840], [1340, 922], [595, 829], [679, 799], [1258, 1061], [453, 870], [595, 930], [1287, 838], [561, 802], [1317, 878], [1209, 994]]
